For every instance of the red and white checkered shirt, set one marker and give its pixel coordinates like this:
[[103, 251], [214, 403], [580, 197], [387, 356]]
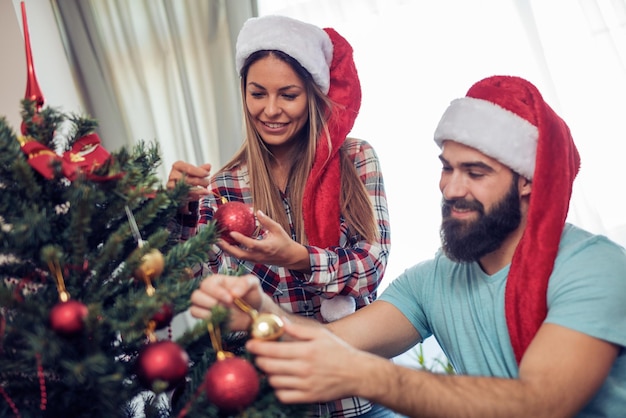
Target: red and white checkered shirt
[[353, 268]]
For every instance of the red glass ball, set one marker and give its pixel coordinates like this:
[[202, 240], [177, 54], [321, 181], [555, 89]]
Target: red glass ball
[[162, 361], [68, 317], [231, 384], [163, 316], [234, 216]]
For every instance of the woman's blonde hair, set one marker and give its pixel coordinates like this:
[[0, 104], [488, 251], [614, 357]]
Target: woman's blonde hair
[[354, 200]]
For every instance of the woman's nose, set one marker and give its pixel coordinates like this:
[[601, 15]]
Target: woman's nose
[[272, 108]]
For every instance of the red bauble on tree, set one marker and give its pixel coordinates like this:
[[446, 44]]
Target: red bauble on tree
[[234, 217], [162, 366], [231, 384], [68, 318], [163, 316]]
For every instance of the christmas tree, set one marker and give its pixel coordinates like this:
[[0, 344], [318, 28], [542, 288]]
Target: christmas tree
[[89, 273]]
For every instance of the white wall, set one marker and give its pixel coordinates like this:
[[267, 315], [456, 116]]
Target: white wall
[[51, 67]]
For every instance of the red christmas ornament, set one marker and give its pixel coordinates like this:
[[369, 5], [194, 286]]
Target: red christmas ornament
[[163, 361], [231, 384], [68, 318], [234, 216], [163, 316]]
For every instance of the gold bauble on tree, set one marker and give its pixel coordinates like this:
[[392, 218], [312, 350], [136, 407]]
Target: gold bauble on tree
[[265, 326], [151, 267]]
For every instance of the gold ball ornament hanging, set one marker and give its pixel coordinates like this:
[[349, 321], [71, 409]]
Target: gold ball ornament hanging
[[151, 267], [265, 326]]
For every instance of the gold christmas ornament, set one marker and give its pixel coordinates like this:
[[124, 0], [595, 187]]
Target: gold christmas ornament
[[152, 262], [151, 267], [265, 326]]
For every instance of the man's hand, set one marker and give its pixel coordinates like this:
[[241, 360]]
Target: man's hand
[[313, 366]]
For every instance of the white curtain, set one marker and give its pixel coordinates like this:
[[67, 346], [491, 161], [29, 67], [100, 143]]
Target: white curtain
[[415, 56], [160, 71]]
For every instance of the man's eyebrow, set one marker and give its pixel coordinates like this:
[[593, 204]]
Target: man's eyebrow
[[470, 164], [477, 164]]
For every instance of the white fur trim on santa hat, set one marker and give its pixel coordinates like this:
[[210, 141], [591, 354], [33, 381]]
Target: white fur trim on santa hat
[[306, 43], [337, 307], [492, 130]]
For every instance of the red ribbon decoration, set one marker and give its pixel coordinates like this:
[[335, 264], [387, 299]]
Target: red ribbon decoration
[[86, 155]]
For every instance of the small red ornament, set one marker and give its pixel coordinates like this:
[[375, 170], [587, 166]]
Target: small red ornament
[[36, 120], [68, 318], [163, 361], [163, 316], [234, 216], [231, 384]]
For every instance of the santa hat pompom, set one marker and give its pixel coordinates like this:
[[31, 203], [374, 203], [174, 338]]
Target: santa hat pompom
[[337, 307]]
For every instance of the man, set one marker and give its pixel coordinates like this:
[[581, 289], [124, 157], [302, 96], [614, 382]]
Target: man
[[530, 310]]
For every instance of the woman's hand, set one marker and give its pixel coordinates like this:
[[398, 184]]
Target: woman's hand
[[220, 289], [195, 176], [273, 247]]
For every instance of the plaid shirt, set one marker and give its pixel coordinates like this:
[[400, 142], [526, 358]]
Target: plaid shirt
[[354, 268]]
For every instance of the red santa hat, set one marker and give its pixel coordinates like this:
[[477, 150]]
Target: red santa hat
[[506, 118], [328, 57]]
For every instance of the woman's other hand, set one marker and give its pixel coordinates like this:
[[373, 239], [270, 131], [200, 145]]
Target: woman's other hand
[[272, 247], [195, 176]]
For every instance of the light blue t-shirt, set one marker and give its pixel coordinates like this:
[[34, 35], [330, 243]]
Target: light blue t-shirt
[[463, 308]]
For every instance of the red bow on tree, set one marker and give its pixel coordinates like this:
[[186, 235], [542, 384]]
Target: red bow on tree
[[86, 155]]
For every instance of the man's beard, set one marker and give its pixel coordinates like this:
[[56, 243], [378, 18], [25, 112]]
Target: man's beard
[[467, 241]]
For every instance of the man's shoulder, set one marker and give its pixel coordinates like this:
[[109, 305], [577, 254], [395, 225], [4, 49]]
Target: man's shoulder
[[585, 254], [575, 239], [437, 265]]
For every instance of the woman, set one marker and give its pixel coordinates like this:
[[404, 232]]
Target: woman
[[318, 196]]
